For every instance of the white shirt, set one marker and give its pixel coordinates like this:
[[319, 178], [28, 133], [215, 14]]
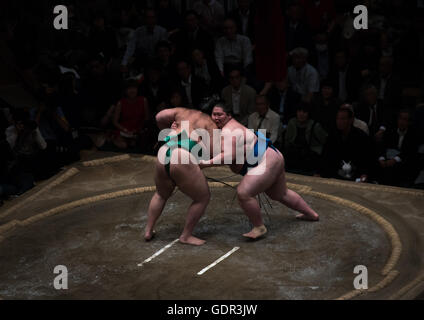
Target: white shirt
[[305, 80], [142, 39], [271, 123], [12, 136], [244, 22], [383, 85], [234, 51]]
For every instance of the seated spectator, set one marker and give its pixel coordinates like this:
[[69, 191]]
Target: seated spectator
[[388, 86], [193, 36], [176, 100], [13, 181], [207, 70], [319, 14], [399, 155], [232, 49], [346, 78], [283, 101], [165, 59], [348, 152], [27, 144], [155, 89], [357, 123], [102, 38], [130, 118], [212, 14], [325, 106], [303, 78], [100, 90], [373, 113], [321, 55], [239, 97], [143, 41], [304, 141], [266, 119], [244, 16], [167, 16], [298, 34], [193, 87]]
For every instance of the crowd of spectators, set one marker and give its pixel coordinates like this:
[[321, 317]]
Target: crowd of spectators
[[338, 102]]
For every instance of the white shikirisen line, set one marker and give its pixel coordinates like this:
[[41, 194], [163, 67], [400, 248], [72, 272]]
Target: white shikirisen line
[[218, 261], [158, 253]]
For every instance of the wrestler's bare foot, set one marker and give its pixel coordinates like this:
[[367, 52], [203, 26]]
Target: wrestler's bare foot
[[304, 217], [192, 241], [149, 235], [256, 232]]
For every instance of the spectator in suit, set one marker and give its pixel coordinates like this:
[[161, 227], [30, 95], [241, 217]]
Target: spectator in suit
[[193, 87], [143, 41], [155, 88], [348, 152], [166, 59], [346, 78], [233, 49], [207, 70], [212, 14], [193, 36], [373, 113], [303, 78], [239, 97], [266, 119], [298, 33], [399, 155], [388, 85], [244, 16], [325, 106], [304, 142]]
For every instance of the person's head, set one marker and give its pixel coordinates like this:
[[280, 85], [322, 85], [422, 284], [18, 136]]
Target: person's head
[[302, 112], [262, 105], [97, 67], [163, 51], [221, 115], [386, 66], [183, 70], [404, 119], [154, 74], [230, 28], [131, 89], [234, 77], [163, 4], [300, 57], [176, 99], [20, 119], [150, 17], [198, 56], [295, 12], [340, 59], [327, 89], [344, 119], [99, 21], [191, 20], [370, 95], [243, 5], [321, 41]]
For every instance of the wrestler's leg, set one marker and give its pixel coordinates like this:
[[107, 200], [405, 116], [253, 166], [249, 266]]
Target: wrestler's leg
[[289, 198], [258, 180], [192, 182], [164, 188]]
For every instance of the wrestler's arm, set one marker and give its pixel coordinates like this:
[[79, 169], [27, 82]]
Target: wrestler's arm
[[165, 118], [226, 156]]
